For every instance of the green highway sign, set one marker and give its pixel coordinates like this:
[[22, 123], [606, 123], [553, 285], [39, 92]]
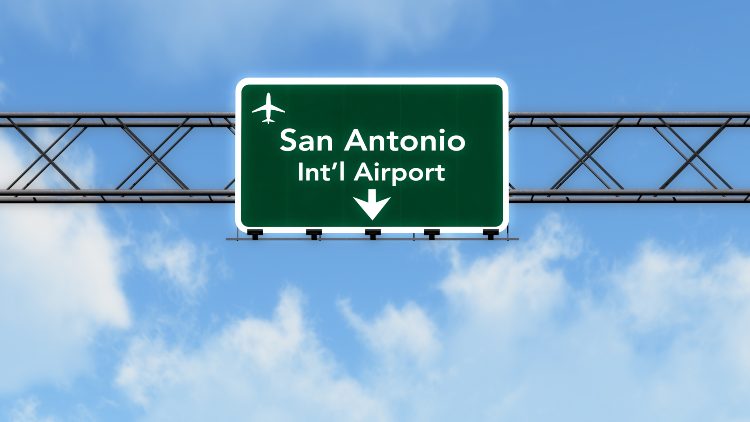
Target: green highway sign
[[348, 154]]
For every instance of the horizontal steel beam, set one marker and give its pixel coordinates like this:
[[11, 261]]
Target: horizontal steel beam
[[629, 124], [367, 239], [522, 114], [120, 196], [521, 119], [212, 196], [514, 124], [109, 123], [628, 192], [513, 192], [115, 114], [116, 192], [631, 114]]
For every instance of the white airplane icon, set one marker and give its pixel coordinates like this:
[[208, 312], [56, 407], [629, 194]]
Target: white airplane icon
[[268, 108]]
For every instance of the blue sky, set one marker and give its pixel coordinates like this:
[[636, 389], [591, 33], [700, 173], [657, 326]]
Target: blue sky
[[598, 313]]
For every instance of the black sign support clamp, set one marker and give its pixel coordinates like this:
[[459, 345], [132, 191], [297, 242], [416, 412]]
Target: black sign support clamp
[[373, 233], [431, 233], [491, 233], [255, 233], [314, 233]]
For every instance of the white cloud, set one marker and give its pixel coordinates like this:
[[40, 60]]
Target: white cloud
[[662, 289], [25, 410], [179, 262], [3, 87], [59, 286], [254, 369], [190, 33], [523, 280], [447, 250], [657, 336], [397, 333]]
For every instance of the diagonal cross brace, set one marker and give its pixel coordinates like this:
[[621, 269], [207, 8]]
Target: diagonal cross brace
[[601, 167], [231, 182], [145, 160], [43, 154], [578, 158], [151, 155], [587, 154], [59, 153], [695, 154], [148, 170], [685, 157], [674, 132], [46, 150]]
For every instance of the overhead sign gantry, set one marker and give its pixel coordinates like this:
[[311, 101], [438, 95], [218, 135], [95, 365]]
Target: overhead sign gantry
[[680, 157], [399, 155]]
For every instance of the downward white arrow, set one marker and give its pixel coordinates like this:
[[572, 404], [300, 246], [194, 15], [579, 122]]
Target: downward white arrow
[[372, 207]]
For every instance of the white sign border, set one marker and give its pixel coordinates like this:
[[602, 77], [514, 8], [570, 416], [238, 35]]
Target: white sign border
[[368, 81]]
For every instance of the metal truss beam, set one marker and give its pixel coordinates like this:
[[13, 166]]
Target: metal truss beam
[[667, 128]]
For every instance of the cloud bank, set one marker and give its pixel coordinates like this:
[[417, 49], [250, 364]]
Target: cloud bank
[[656, 336], [59, 287], [255, 369]]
